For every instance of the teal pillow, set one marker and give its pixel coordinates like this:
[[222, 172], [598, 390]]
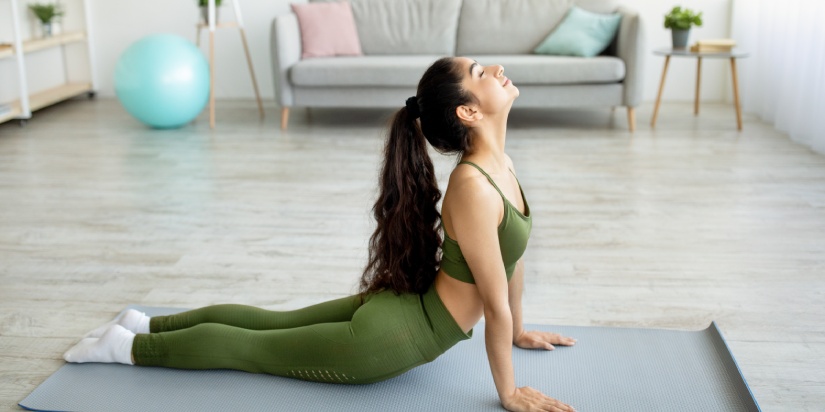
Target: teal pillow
[[581, 33]]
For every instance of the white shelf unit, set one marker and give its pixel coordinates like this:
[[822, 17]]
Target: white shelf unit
[[27, 101]]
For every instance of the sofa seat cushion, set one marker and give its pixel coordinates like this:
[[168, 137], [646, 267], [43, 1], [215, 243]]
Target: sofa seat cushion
[[541, 69], [361, 71]]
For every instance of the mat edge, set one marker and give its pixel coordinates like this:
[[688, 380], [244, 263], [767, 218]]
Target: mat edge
[[713, 329], [20, 404]]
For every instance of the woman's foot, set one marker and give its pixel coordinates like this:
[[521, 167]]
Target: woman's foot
[[114, 346], [130, 319]]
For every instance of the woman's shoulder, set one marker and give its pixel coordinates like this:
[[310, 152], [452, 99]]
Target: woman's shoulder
[[468, 186]]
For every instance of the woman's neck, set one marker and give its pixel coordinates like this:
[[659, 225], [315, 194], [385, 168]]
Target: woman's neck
[[488, 147]]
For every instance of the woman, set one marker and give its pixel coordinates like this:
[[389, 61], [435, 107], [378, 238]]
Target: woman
[[413, 306]]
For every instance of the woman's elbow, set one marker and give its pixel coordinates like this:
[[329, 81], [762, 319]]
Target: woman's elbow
[[497, 313]]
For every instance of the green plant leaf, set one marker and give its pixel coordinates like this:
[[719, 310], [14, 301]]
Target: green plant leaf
[[682, 19], [46, 12]]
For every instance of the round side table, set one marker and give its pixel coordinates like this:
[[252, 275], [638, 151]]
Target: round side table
[[732, 55]]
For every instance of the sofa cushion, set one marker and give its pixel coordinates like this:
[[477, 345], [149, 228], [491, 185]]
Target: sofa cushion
[[539, 69], [581, 33], [362, 71], [598, 6], [406, 26], [507, 27], [327, 30]]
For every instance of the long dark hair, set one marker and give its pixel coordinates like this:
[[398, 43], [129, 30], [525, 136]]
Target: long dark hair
[[404, 249]]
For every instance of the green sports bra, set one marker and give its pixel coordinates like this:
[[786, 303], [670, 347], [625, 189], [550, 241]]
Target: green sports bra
[[513, 232]]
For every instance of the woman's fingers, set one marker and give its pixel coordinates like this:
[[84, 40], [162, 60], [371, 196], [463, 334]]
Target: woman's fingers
[[539, 401], [540, 342], [555, 405], [557, 339], [543, 340], [566, 341]]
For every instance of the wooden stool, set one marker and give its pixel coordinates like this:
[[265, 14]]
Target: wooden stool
[[211, 26], [732, 55]]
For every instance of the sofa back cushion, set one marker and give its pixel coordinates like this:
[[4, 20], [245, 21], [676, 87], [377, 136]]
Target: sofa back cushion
[[406, 26], [327, 29], [598, 6], [514, 26]]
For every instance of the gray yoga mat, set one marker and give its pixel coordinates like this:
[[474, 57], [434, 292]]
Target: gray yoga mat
[[609, 369]]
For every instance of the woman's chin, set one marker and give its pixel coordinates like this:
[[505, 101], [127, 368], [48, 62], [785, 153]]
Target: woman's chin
[[516, 93]]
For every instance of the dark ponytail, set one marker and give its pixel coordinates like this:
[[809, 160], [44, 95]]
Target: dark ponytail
[[404, 249]]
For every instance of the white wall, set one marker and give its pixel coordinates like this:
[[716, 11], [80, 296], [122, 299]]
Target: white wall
[[118, 23]]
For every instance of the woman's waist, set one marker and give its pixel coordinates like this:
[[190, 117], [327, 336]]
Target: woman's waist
[[460, 299], [446, 332]]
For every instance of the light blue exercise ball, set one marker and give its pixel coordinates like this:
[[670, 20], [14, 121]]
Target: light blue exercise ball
[[162, 80]]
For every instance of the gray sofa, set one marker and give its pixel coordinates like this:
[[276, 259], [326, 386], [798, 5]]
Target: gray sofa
[[401, 38]]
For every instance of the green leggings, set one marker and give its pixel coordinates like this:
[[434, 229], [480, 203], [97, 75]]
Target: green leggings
[[341, 341]]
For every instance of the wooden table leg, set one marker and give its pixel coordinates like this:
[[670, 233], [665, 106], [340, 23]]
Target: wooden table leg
[[736, 93], [631, 119], [284, 117], [252, 73], [698, 82], [212, 79], [659, 96]]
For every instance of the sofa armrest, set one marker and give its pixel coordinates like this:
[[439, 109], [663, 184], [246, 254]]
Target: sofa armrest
[[285, 45], [630, 48]]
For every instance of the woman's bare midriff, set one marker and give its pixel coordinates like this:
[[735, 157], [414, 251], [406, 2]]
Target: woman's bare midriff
[[461, 299]]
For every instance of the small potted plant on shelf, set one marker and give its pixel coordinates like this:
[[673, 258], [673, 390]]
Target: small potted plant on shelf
[[46, 13], [204, 4], [679, 21]]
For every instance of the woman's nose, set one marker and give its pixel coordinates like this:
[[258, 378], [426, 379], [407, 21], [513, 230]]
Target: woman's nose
[[499, 70]]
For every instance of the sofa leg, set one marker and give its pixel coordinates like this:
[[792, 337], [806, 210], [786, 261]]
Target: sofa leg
[[631, 118], [284, 117]]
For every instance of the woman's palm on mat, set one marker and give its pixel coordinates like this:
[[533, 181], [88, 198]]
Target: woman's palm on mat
[[542, 340], [529, 399]]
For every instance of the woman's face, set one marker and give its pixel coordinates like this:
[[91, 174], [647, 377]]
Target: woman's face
[[493, 90]]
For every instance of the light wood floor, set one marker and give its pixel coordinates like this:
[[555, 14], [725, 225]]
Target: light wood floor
[[671, 228]]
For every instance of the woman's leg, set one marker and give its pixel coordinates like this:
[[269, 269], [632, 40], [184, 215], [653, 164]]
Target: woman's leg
[[252, 318], [375, 346], [302, 353]]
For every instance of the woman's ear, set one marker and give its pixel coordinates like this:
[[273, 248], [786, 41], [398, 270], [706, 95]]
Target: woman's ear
[[470, 115]]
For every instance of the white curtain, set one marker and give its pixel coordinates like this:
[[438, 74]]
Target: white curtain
[[783, 79]]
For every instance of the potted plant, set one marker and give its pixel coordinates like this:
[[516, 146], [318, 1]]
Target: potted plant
[[204, 4], [679, 21], [46, 13]]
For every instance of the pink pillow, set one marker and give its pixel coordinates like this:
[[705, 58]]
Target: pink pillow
[[327, 29]]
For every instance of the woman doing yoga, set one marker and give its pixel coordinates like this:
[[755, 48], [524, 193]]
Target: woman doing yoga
[[413, 305]]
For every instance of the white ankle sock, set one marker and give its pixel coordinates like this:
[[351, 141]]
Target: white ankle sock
[[115, 346], [131, 319]]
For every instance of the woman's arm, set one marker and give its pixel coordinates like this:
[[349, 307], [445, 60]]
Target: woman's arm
[[516, 288], [476, 230], [529, 339], [532, 339]]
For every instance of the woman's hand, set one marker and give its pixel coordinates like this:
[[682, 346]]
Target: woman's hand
[[542, 340], [529, 399]]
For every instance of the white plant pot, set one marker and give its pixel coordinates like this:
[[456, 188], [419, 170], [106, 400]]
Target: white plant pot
[[205, 14]]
